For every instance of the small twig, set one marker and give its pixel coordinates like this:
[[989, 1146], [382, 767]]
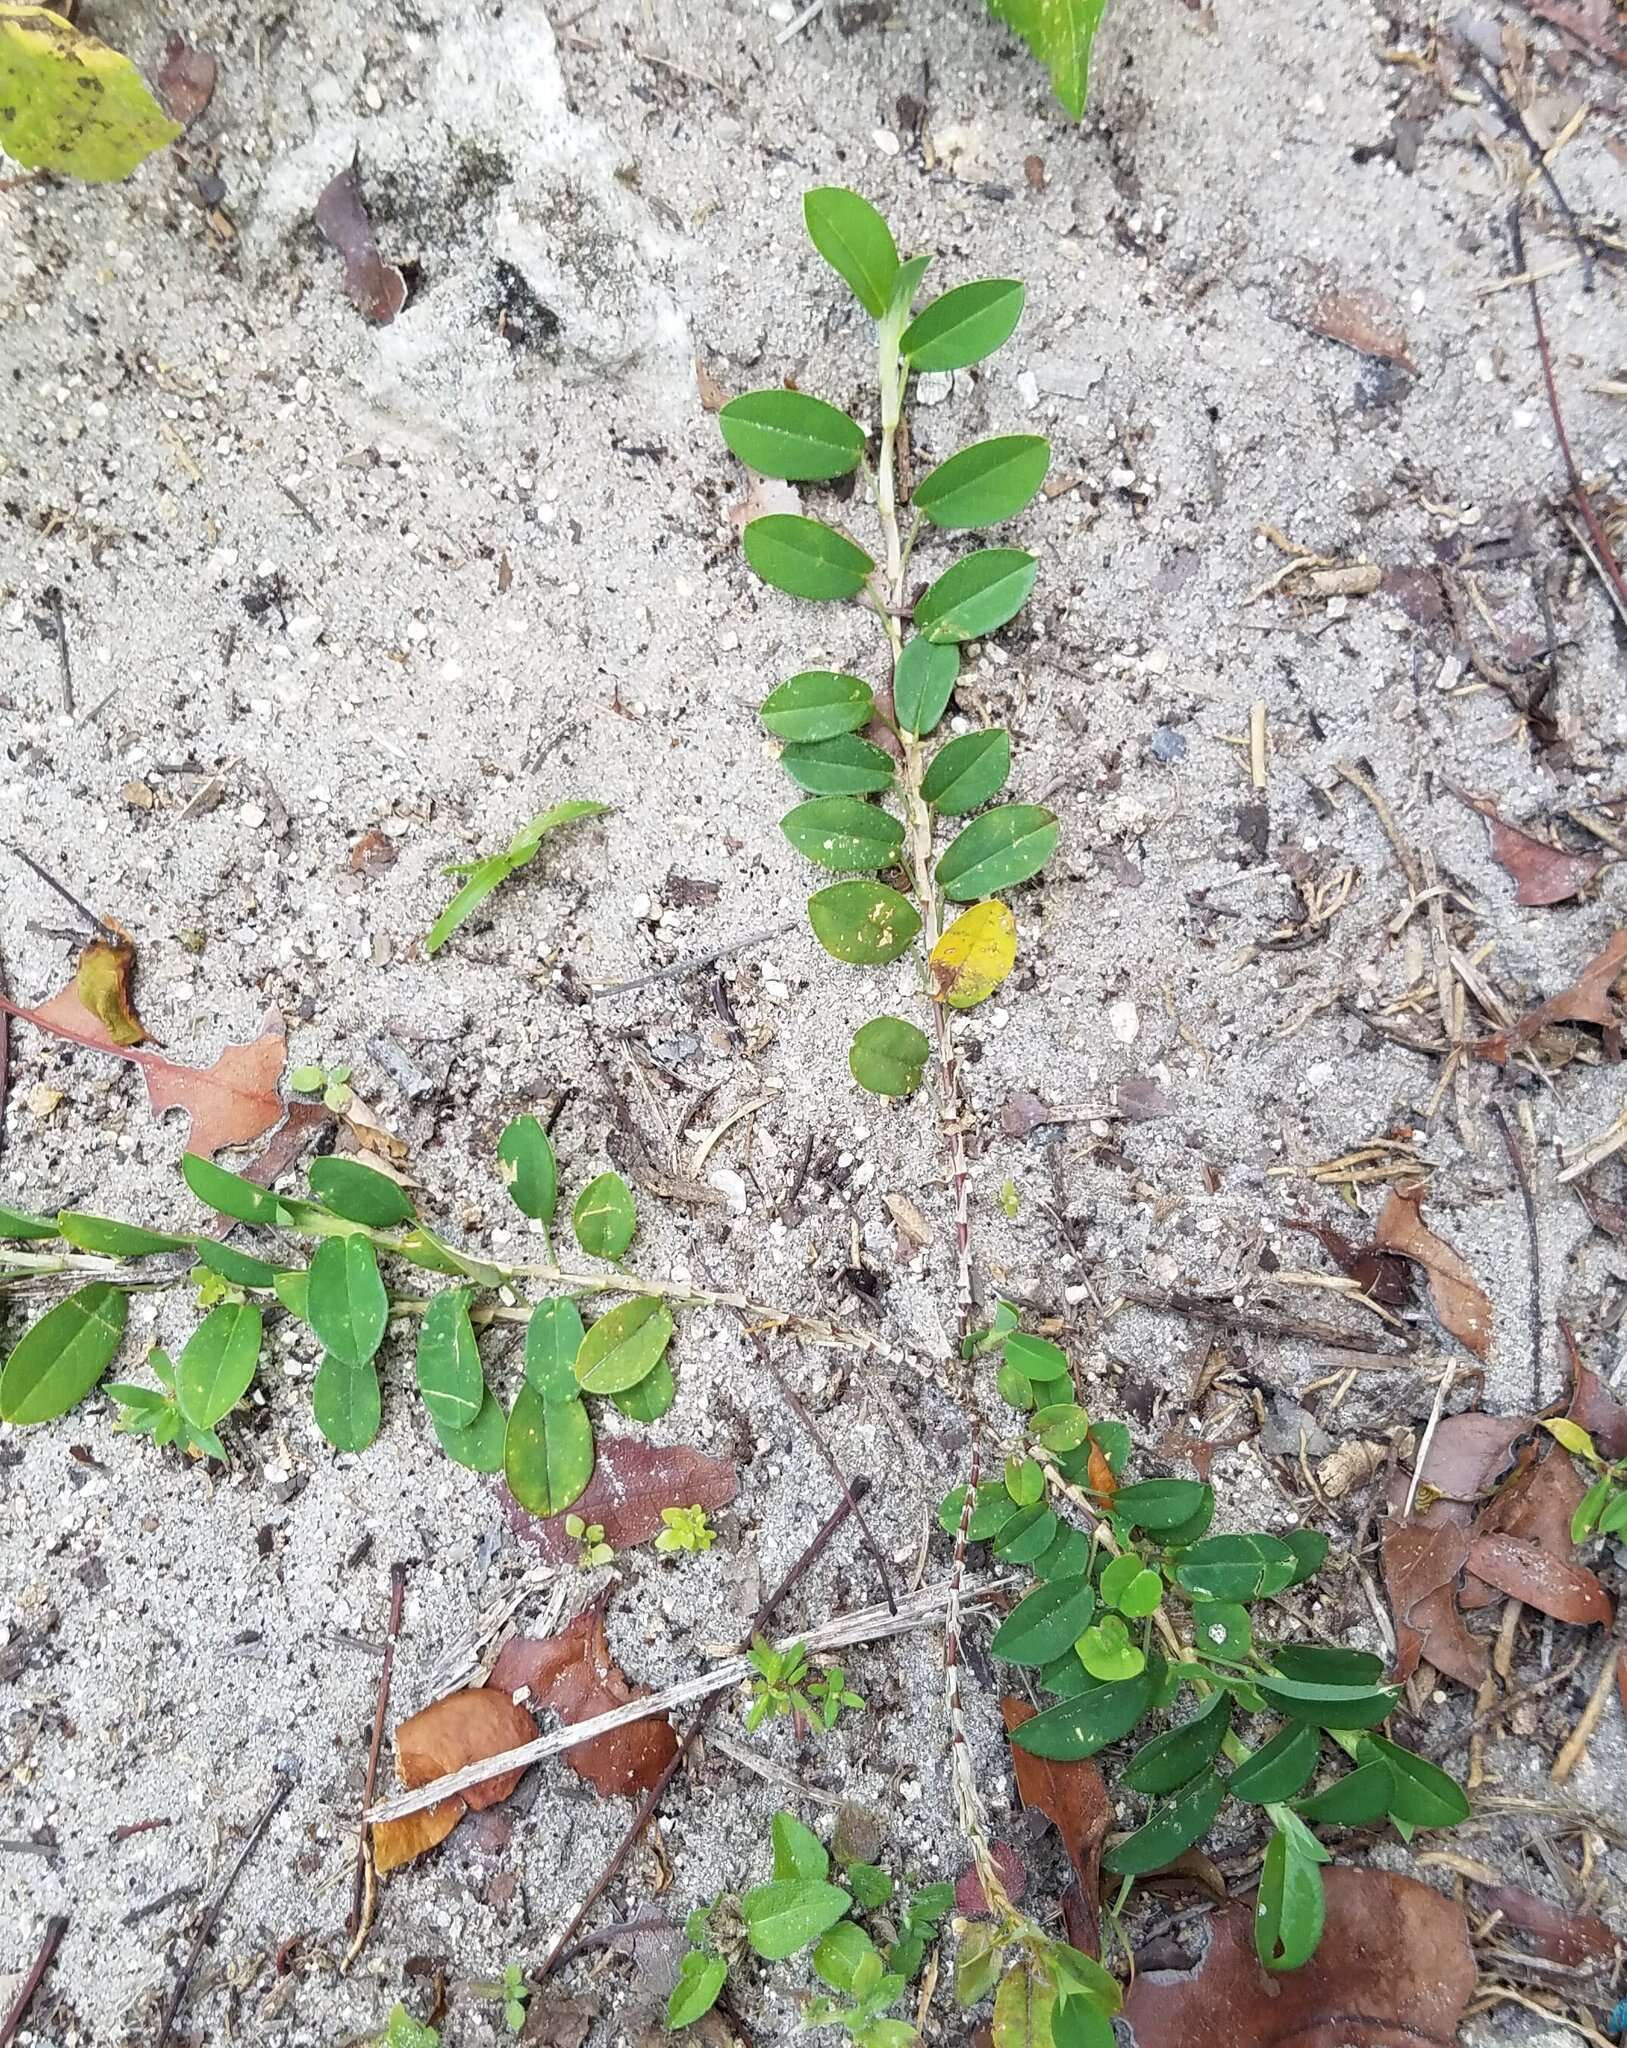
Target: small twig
[[1515, 121], [1220, 1308], [694, 962], [268, 1814], [67, 896], [1443, 1387], [381, 1707], [55, 1928], [1534, 1260], [178, 1896], [1575, 1744], [652, 1798], [799, 1409], [53, 597], [1392, 832], [771, 1773]]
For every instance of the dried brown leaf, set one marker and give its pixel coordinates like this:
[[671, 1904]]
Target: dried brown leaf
[[969, 1895], [1365, 321], [1073, 1797], [464, 1728], [1610, 1217], [914, 1231], [1543, 874], [1421, 1563], [1586, 1001], [375, 288], [373, 853], [632, 1482], [554, 2021], [713, 397], [1460, 1302], [1537, 1504], [1394, 1965], [1569, 1939], [574, 1674], [185, 79], [765, 496], [1552, 1585], [1597, 1410], [1383, 1275]]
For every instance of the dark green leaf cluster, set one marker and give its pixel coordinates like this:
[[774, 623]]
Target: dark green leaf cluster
[[1098, 1629], [849, 749]]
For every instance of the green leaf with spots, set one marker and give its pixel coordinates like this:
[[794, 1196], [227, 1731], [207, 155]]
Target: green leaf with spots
[[1291, 1906], [652, 1397], [448, 1361], [1003, 847], [360, 1193], [844, 765], [1174, 1758], [1279, 1769], [790, 435], [923, 682], [788, 1914], [216, 1367], [864, 923], [553, 1338], [1160, 1504], [231, 1194], [817, 705], [547, 1452], [1172, 1828], [604, 1217], [844, 834], [346, 1402], [347, 1305], [1044, 1624], [54, 1364], [525, 1156], [1078, 1727], [701, 1978], [624, 1346], [798, 1851], [479, 1447], [888, 1056], [1241, 1567]]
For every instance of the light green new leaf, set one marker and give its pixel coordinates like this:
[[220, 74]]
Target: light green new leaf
[[54, 1365], [604, 1217], [553, 1337], [1060, 34], [855, 241], [888, 1056], [216, 1367], [346, 1403], [788, 1914], [547, 1452], [864, 923], [997, 851], [988, 482], [700, 1979], [964, 325], [448, 1361], [798, 1851], [817, 705], [978, 595], [525, 1155], [788, 434], [486, 875], [70, 104], [17, 1227], [923, 682], [805, 557], [968, 771], [479, 1448], [360, 1193], [844, 765], [844, 833], [624, 1346], [346, 1304], [113, 1239]]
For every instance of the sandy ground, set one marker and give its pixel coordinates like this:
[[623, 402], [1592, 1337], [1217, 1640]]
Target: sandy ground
[[427, 580]]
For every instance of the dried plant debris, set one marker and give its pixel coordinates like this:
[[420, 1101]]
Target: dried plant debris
[[376, 289], [186, 78], [1586, 1001], [1074, 1798], [574, 1674], [464, 1728], [1365, 321], [1460, 1301], [1543, 874]]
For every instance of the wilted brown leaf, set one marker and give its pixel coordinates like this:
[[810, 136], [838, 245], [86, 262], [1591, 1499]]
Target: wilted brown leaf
[[1365, 321], [1610, 1217], [373, 853], [1073, 1797], [1586, 1001], [1466, 1457], [1569, 1939], [1394, 1965], [375, 288], [1383, 1275], [1594, 1408], [185, 79], [712, 395], [1421, 1564], [1543, 874], [969, 1896], [464, 1728], [574, 1674], [1460, 1301], [554, 2021], [914, 1231], [1537, 1504], [632, 1482], [1552, 1585]]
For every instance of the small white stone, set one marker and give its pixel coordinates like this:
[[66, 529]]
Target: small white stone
[[934, 387], [1028, 389], [251, 814], [1124, 1021], [732, 1188], [886, 141]]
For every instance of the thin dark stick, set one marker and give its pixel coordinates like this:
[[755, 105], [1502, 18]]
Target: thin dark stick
[[1515, 120], [1220, 1308], [793, 1186], [55, 1928], [53, 597], [137, 1914], [381, 1707], [1609, 568], [799, 1409], [687, 1741], [695, 961], [1534, 1261], [268, 1814], [67, 896]]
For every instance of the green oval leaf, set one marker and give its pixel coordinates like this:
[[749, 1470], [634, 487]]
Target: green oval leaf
[[346, 1403], [624, 1346], [1039, 1628], [1060, 34], [842, 766], [788, 434], [1173, 1827], [786, 1915], [1160, 1504], [997, 851], [1327, 1706], [479, 1448], [242, 1269], [1028, 1535], [16, 1226], [700, 1979], [230, 1194], [806, 558], [1079, 1727], [1291, 1906], [856, 242], [968, 771], [1222, 1631], [1174, 1758], [964, 325], [1360, 1796], [1241, 1567], [553, 1338], [652, 1397], [978, 595], [216, 1366], [1327, 1662], [798, 1851], [1068, 1555], [525, 1155], [604, 1217], [923, 681], [1036, 1358], [1278, 1770], [547, 1452], [113, 1239], [347, 1305], [1422, 1795], [841, 1953], [70, 104], [817, 705], [888, 1056], [360, 1193], [1310, 1550], [54, 1365], [448, 1361], [992, 1510], [844, 833], [988, 482], [864, 923]]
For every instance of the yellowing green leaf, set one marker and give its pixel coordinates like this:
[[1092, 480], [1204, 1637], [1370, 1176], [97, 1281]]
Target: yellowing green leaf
[[975, 955], [865, 923], [70, 104]]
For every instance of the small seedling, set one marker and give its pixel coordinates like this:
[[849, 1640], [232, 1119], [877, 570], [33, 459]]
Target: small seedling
[[331, 1083], [778, 1688], [1602, 1510], [401, 2030], [481, 877], [831, 1698], [592, 1549], [145, 1411], [512, 1991], [686, 1529]]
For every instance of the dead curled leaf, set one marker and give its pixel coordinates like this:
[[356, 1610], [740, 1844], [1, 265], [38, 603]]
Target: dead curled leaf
[[632, 1482], [1552, 1585], [1365, 321], [1586, 1001], [1421, 1564], [574, 1674], [1461, 1303], [1594, 1408], [375, 288], [969, 1895], [185, 79], [464, 1728], [1382, 1275], [1570, 1939], [1073, 1797], [1543, 874], [1393, 1966]]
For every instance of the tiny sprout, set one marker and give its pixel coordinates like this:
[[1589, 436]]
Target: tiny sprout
[[831, 1698], [778, 1687], [686, 1529], [590, 1537], [331, 1083], [511, 1991]]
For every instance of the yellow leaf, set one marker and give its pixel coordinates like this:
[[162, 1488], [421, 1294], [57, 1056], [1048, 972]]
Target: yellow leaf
[[975, 955], [102, 983], [70, 104]]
